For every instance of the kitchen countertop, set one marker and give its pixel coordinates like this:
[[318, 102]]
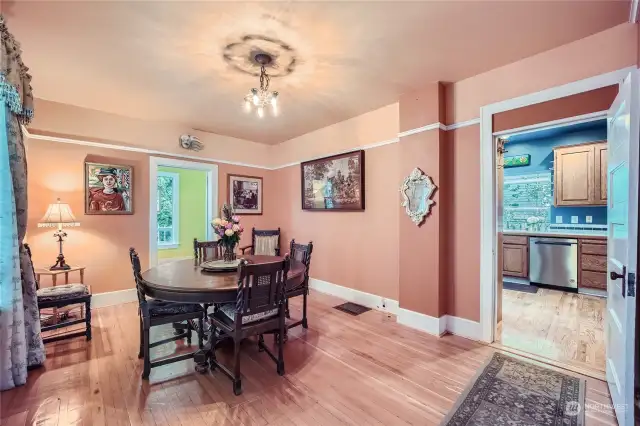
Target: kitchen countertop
[[565, 233]]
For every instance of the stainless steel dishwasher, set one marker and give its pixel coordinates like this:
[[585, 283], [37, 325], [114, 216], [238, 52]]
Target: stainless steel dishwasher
[[553, 261]]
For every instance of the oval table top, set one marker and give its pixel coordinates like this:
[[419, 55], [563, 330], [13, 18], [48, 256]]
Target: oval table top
[[185, 281]]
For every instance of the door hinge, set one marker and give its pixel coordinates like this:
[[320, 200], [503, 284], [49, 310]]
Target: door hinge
[[631, 284]]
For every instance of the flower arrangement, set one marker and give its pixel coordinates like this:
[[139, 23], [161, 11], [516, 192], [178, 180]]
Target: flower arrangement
[[229, 230]]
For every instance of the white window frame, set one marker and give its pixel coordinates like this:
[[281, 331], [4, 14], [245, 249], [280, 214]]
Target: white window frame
[[175, 223]]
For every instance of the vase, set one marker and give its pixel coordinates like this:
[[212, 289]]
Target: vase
[[229, 253]]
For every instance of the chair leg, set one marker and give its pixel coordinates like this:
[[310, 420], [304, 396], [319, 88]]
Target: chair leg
[[260, 343], [213, 341], [304, 311], [237, 383], [141, 350], [200, 333], [147, 356], [286, 309], [280, 367], [87, 317], [189, 332]]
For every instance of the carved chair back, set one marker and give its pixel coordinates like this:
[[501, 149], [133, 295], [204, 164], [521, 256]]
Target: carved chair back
[[265, 241], [302, 253], [260, 288], [135, 265], [207, 250]]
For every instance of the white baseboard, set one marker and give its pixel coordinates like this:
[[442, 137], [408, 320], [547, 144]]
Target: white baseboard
[[422, 322], [355, 296], [464, 328], [432, 325], [110, 298]]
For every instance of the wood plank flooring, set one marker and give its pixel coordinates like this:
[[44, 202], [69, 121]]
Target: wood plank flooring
[[364, 370], [567, 328]]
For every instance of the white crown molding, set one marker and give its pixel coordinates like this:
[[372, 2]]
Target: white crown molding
[[432, 126], [81, 142], [472, 122], [578, 119], [134, 149], [633, 12]]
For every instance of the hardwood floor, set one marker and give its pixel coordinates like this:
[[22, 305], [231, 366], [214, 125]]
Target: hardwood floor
[[564, 327], [364, 370]]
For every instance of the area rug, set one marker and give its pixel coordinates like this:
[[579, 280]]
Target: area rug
[[508, 391]]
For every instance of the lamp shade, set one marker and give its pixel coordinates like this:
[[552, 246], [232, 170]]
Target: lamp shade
[[58, 214]]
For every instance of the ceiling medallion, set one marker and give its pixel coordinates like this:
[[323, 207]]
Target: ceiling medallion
[[240, 55], [262, 98]]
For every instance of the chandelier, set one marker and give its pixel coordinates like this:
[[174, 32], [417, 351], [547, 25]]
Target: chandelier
[[262, 98]]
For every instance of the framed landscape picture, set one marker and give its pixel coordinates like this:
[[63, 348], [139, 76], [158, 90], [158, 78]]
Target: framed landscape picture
[[245, 194], [108, 189], [334, 183]]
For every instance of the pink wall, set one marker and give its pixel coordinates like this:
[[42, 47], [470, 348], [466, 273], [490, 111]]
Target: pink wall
[[603, 52], [372, 127], [358, 250], [102, 242], [63, 120]]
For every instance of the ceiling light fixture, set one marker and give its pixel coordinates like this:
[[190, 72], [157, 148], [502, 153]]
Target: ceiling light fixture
[[262, 98]]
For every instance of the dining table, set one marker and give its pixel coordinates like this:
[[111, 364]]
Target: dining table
[[184, 281]]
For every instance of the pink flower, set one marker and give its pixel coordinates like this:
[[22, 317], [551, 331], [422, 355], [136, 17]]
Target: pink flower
[[241, 228], [229, 226], [236, 219]]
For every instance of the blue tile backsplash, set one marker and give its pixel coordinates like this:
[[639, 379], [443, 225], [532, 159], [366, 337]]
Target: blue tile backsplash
[[528, 190]]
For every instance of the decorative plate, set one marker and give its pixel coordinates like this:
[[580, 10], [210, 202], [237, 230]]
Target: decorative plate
[[220, 265]]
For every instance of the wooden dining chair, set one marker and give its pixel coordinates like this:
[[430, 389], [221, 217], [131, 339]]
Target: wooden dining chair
[[153, 312], [264, 242], [259, 308], [206, 250], [300, 253]]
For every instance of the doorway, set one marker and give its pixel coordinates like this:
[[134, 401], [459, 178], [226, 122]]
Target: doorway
[[554, 242], [183, 198], [622, 238]]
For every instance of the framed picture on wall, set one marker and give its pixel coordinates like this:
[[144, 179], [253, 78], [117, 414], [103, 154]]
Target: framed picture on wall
[[108, 189], [333, 183], [245, 194]]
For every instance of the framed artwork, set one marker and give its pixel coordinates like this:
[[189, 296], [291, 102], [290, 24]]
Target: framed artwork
[[333, 183], [108, 189], [245, 194]]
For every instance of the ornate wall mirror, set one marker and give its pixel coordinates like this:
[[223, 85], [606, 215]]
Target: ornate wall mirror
[[416, 191]]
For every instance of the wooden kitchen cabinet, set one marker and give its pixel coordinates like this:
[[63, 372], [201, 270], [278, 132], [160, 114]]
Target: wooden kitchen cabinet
[[600, 174], [592, 264], [515, 260], [580, 175]]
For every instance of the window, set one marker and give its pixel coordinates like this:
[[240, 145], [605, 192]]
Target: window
[[168, 199]]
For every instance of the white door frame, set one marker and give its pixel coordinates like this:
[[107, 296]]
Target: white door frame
[[212, 196], [488, 228]]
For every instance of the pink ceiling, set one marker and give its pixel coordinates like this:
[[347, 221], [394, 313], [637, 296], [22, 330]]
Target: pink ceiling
[[164, 60]]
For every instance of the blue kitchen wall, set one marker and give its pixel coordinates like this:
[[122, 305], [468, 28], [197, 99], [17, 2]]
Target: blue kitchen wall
[[540, 146]]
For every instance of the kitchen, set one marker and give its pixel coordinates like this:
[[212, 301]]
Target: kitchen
[[554, 244]]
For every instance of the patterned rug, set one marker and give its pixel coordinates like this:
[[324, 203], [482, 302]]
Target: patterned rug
[[508, 391]]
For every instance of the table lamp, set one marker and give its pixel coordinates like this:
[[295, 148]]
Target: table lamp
[[58, 214]]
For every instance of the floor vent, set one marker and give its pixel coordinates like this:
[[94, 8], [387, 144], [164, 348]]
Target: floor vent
[[352, 308]]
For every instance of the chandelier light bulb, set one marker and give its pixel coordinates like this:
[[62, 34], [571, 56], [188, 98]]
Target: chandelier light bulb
[[262, 98]]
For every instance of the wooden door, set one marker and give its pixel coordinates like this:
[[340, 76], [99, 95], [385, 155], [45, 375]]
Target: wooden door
[[515, 260], [573, 175], [600, 174], [622, 244]]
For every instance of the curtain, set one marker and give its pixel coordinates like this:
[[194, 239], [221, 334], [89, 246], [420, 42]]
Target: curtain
[[20, 340]]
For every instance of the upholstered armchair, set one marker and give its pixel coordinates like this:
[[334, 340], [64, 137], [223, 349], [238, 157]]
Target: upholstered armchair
[[264, 242]]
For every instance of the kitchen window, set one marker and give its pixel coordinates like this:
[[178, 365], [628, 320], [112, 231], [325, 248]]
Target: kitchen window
[[167, 213]]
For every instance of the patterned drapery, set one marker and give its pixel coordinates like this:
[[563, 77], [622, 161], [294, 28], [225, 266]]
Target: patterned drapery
[[20, 341]]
